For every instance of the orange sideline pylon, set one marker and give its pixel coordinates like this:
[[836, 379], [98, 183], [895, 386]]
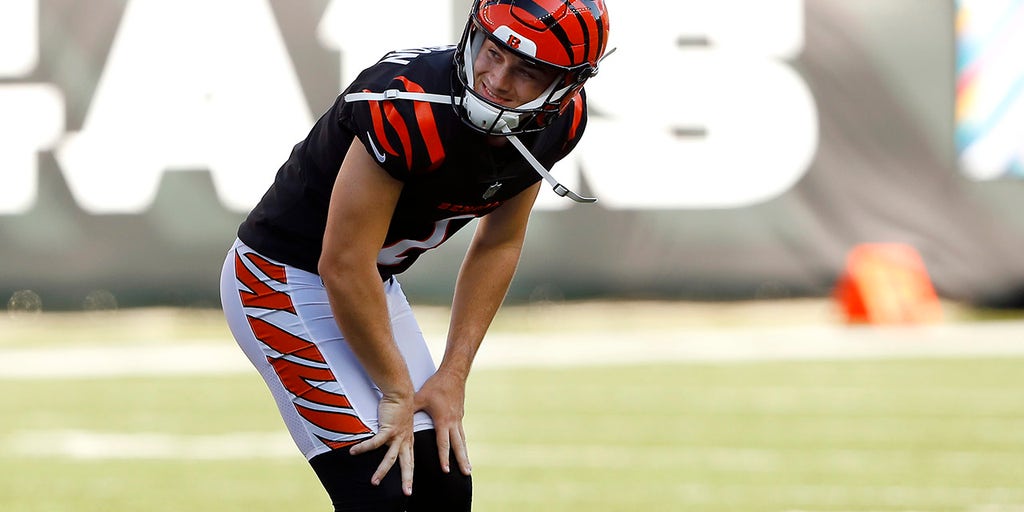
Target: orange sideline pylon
[[887, 284]]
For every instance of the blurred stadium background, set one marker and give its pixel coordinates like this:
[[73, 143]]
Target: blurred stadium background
[[742, 151]]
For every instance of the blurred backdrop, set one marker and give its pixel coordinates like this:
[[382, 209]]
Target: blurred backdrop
[[740, 148]]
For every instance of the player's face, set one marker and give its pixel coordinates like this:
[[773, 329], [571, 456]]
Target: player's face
[[507, 79]]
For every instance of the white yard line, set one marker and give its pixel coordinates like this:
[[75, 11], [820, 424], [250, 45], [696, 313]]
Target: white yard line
[[570, 349], [825, 342], [92, 445]]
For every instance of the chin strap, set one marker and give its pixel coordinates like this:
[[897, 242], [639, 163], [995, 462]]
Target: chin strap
[[447, 99], [555, 185]]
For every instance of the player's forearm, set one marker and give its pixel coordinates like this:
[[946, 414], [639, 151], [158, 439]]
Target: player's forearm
[[360, 308], [479, 291]]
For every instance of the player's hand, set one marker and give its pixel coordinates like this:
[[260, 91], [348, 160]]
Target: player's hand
[[443, 397], [394, 415]]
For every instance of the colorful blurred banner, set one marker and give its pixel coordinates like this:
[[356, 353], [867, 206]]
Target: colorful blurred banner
[[743, 167], [990, 88]]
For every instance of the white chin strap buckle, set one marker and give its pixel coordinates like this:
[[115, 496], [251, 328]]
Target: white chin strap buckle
[[559, 189]]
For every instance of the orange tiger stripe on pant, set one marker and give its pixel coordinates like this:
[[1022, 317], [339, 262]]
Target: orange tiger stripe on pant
[[298, 363]]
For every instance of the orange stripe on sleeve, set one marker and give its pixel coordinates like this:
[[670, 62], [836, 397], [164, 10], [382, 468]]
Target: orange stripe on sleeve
[[577, 116], [398, 123], [378, 126], [427, 124]]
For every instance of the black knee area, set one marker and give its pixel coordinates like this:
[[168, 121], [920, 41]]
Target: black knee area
[[432, 489], [346, 478]]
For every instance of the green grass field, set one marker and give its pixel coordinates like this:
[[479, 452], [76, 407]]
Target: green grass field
[[886, 435]]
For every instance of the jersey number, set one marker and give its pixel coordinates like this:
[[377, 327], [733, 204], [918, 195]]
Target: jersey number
[[396, 253]]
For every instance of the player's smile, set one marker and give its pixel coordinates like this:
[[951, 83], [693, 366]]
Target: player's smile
[[507, 79], [489, 93]]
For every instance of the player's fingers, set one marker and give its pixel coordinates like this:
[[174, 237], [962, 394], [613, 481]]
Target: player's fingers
[[461, 453], [443, 445], [369, 445], [406, 463], [385, 465]]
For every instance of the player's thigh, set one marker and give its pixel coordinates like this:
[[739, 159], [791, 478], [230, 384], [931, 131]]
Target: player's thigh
[[280, 318]]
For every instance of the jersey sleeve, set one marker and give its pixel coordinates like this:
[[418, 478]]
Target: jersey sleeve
[[577, 114], [401, 135], [562, 137]]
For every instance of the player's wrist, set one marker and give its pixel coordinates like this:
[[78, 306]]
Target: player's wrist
[[399, 391], [453, 372]]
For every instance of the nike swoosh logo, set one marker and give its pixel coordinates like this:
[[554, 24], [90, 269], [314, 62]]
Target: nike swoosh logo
[[376, 152]]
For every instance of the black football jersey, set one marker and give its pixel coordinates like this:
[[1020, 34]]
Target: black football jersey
[[449, 171]]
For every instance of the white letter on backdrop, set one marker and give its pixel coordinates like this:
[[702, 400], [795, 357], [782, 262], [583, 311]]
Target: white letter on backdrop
[[188, 84], [32, 118], [355, 30], [755, 117]]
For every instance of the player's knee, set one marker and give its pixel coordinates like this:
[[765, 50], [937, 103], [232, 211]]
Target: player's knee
[[457, 491], [346, 478], [450, 492], [434, 489]]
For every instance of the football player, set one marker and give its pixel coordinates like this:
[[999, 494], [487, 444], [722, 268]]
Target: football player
[[420, 144]]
